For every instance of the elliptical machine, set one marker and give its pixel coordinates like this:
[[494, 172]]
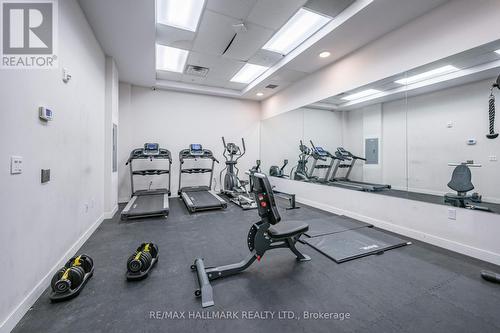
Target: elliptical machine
[[299, 172], [276, 171], [232, 186]]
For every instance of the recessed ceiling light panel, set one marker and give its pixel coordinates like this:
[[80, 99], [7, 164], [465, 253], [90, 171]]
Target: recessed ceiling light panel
[[324, 54], [182, 14], [260, 94], [361, 94], [498, 51], [427, 75], [170, 59], [248, 73], [300, 27]]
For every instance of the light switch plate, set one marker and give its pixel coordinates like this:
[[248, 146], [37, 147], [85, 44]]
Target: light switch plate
[[452, 214]]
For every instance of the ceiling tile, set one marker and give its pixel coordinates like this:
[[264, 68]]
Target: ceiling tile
[[235, 8], [170, 76], [174, 37], [265, 58], [235, 85], [274, 14], [193, 79], [246, 44], [287, 75], [328, 7], [220, 69], [214, 33]]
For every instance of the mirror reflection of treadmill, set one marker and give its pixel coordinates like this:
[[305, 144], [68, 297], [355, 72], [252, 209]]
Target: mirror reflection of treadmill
[[343, 156], [199, 198]]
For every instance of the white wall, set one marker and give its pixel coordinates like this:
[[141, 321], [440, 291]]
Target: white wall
[[455, 27], [111, 117], [175, 120], [44, 224]]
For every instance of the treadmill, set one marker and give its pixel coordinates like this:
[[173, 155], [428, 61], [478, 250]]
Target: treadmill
[[343, 156], [320, 154], [199, 198], [150, 202]]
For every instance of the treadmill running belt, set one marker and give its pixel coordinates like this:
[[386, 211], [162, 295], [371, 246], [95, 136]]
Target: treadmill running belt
[[332, 225], [354, 244], [147, 205], [203, 199]]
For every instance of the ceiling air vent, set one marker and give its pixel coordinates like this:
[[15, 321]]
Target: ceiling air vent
[[197, 70], [271, 86]]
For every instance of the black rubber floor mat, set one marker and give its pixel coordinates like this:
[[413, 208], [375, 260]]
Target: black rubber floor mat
[[353, 244], [332, 225]]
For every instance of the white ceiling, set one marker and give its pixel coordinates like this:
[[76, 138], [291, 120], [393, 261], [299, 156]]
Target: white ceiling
[[126, 30], [473, 65]]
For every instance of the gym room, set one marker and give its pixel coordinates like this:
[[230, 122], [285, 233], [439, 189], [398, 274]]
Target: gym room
[[250, 166]]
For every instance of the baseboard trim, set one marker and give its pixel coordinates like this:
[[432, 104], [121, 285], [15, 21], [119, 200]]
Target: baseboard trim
[[415, 234], [17, 314], [109, 215]]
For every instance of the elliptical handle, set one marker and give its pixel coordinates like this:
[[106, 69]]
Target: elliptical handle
[[224, 142], [244, 147]]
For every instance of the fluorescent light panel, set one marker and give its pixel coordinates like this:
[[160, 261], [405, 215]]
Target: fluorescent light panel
[[170, 59], [361, 94], [498, 51], [427, 75], [182, 14], [298, 28], [248, 73]]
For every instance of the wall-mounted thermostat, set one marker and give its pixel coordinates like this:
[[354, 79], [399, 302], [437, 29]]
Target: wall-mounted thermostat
[[45, 114], [16, 165]]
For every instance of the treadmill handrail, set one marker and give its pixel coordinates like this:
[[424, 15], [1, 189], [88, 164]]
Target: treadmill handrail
[[349, 154], [185, 154], [138, 154]]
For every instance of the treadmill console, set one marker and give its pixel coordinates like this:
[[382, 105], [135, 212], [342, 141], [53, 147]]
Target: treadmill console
[[151, 149], [196, 149], [320, 151], [343, 152]]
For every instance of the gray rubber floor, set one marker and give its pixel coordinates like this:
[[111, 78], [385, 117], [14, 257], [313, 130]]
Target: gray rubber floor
[[417, 288]]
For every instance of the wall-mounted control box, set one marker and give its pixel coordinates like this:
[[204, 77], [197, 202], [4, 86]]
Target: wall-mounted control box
[[45, 176], [45, 114]]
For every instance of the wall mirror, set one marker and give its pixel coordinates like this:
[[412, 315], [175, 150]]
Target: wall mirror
[[419, 135]]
